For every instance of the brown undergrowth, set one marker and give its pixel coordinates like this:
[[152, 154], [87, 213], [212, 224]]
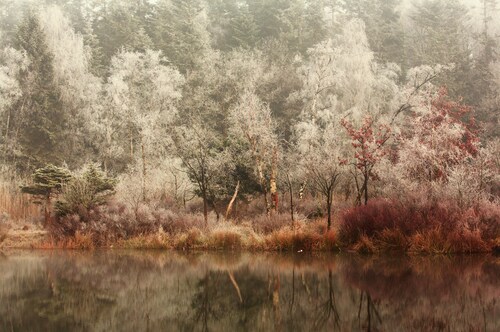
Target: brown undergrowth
[[381, 226], [302, 236], [432, 228]]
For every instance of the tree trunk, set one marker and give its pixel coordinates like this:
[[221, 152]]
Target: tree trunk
[[329, 208], [290, 189], [272, 181], [131, 147], [236, 287], [301, 191], [47, 210], [205, 208], [143, 172], [217, 214], [7, 127], [230, 205], [365, 188], [263, 186]]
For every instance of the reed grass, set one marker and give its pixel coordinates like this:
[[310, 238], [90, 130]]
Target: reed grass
[[15, 206]]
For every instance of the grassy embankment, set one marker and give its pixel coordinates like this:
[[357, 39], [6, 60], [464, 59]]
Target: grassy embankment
[[381, 226]]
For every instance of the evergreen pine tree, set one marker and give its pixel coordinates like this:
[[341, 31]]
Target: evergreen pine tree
[[41, 119]]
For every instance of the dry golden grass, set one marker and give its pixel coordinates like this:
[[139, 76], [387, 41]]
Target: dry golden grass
[[365, 245], [79, 241], [150, 241], [4, 231], [227, 236], [16, 206]]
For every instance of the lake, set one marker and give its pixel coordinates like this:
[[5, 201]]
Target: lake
[[174, 291]]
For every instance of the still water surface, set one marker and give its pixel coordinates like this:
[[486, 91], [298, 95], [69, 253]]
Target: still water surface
[[171, 291]]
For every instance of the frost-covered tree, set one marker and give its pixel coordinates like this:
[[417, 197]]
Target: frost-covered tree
[[342, 77], [182, 32], [439, 32], [55, 89], [40, 119], [251, 122], [442, 135], [118, 25], [474, 180], [143, 92], [206, 161], [12, 62], [80, 90], [342, 81], [322, 156]]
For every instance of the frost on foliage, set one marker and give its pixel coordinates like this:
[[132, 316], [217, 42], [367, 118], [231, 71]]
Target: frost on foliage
[[167, 178], [251, 120], [244, 64], [342, 77], [439, 140], [71, 58], [205, 160], [418, 90], [11, 63], [142, 100], [472, 181], [251, 123]]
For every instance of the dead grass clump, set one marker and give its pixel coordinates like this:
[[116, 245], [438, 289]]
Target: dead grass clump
[[365, 245], [192, 239], [160, 240], [225, 239], [430, 241], [264, 224], [300, 238], [330, 241], [280, 240], [488, 215], [467, 241], [306, 241], [426, 227], [4, 231], [81, 241], [392, 239]]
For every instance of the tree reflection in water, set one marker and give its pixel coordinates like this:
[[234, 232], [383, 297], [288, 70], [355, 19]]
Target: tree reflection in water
[[160, 291]]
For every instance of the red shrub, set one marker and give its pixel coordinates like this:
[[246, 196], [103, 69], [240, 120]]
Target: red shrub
[[427, 227]]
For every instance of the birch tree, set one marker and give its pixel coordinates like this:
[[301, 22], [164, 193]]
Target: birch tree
[[143, 94], [80, 91], [206, 161], [322, 156], [442, 135], [341, 80], [341, 76], [12, 62], [251, 121]]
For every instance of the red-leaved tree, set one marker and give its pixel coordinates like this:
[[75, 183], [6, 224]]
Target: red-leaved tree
[[442, 135], [368, 142]]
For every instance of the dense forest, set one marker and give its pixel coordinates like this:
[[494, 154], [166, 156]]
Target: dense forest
[[361, 114]]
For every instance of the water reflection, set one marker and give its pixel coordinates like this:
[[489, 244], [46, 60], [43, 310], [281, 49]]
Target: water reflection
[[170, 291]]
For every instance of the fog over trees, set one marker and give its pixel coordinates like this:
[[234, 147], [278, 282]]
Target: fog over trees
[[340, 99]]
